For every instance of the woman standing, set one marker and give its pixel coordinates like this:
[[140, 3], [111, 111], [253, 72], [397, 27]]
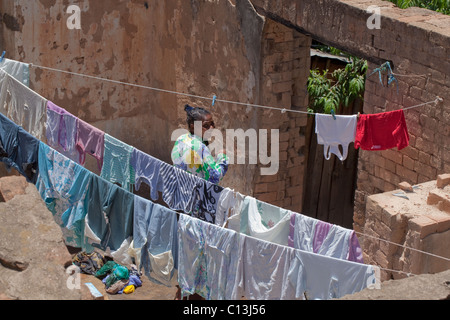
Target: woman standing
[[191, 152]]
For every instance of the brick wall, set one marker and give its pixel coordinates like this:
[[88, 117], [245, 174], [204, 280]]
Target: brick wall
[[285, 69], [417, 42], [421, 222], [420, 80]]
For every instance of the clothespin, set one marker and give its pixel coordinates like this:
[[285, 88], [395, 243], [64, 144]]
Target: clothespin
[[3, 56], [390, 74], [214, 100], [379, 70], [283, 111], [333, 113], [359, 114]]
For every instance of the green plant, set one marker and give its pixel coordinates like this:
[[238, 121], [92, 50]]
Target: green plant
[[329, 94], [442, 6]]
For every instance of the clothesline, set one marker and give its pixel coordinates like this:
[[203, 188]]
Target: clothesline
[[403, 246], [212, 99], [119, 82]]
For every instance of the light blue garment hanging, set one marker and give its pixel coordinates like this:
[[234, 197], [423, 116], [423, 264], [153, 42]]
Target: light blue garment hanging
[[117, 163], [155, 238], [326, 239], [18, 149], [317, 277], [209, 260], [110, 214], [63, 185], [175, 185]]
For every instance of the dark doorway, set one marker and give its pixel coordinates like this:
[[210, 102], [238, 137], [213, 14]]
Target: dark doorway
[[330, 184]]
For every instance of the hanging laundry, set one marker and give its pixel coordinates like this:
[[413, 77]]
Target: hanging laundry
[[19, 149], [23, 106], [323, 238], [264, 221], [265, 270], [109, 221], [147, 169], [209, 260], [382, 131], [90, 140], [229, 208], [205, 199], [219, 263], [175, 185], [301, 232], [63, 185], [336, 241], [336, 131], [317, 277], [155, 239], [272, 272], [117, 163], [16, 69], [61, 131]]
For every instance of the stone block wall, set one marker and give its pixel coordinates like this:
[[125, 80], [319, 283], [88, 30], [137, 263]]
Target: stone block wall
[[420, 221], [285, 69]]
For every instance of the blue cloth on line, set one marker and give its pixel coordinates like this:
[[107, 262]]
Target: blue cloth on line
[[63, 185], [175, 185], [155, 237], [19, 149], [116, 163], [110, 213]]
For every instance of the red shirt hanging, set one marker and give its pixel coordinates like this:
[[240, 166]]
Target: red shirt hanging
[[382, 131]]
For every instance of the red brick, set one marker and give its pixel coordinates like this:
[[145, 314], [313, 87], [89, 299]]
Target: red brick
[[423, 225], [267, 197], [443, 180], [407, 174], [393, 155]]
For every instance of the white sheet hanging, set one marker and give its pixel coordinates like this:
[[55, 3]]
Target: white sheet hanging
[[23, 106], [18, 70]]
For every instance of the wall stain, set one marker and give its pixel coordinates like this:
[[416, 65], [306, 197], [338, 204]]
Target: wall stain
[[12, 23]]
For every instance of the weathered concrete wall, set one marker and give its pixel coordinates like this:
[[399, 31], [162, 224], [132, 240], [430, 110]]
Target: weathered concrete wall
[[203, 48]]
